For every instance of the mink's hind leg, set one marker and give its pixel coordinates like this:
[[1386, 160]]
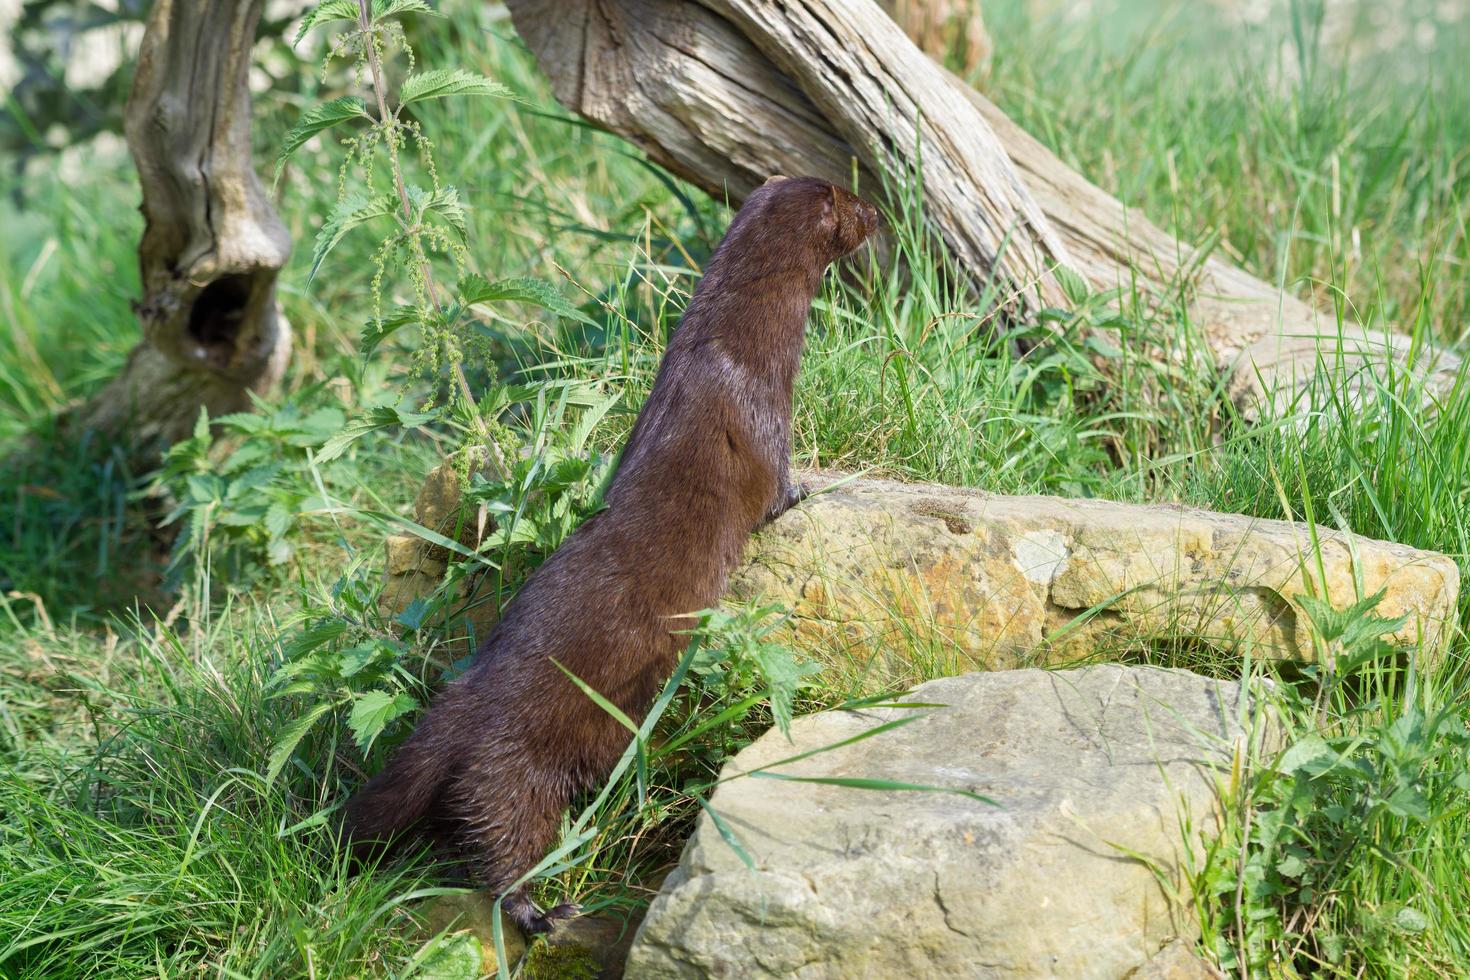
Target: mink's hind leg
[[531, 920], [509, 817]]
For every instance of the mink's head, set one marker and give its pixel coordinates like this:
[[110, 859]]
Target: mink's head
[[829, 221]]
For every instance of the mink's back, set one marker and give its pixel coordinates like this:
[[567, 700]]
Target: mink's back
[[607, 604]]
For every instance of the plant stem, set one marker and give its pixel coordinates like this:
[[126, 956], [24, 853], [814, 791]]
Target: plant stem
[[389, 122]]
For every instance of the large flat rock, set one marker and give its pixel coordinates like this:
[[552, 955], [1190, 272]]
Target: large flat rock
[[1104, 777], [1016, 581], [1000, 581]]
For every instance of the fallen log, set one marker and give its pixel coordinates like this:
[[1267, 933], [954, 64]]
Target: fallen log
[[949, 31], [727, 92]]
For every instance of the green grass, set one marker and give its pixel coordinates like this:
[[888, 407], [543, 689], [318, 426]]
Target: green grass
[[137, 834]]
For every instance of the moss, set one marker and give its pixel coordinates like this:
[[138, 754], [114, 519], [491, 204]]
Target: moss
[[571, 962]]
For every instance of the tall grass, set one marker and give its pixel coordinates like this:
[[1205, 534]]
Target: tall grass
[[137, 836]]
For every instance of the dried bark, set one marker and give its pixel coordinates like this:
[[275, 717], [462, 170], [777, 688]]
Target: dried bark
[[727, 92], [951, 32], [212, 243]]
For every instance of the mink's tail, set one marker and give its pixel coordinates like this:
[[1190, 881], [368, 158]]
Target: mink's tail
[[400, 795]]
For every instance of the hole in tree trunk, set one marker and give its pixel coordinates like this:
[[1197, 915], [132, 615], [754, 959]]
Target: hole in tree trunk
[[218, 312]]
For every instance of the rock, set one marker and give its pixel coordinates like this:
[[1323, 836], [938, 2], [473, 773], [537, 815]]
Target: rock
[[995, 581], [1015, 581], [1104, 778], [602, 940], [413, 567], [1176, 961]]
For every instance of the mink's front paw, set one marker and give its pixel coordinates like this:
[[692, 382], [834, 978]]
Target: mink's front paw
[[793, 494], [545, 921]]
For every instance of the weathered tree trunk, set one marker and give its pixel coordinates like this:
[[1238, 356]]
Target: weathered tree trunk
[[212, 244], [726, 92], [730, 91], [951, 32]]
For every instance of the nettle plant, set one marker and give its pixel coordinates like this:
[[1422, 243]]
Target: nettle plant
[[346, 660], [387, 184], [238, 506], [421, 220]]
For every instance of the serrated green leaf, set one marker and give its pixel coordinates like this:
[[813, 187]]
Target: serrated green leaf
[[1407, 801], [443, 82], [1410, 920], [454, 957], [444, 202], [251, 480], [785, 676], [326, 11], [475, 288], [374, 418], [413, 614], [351, 432], [392, 8], [350, 212], [347, 10], [279, 551], [291, 737], [250, 454], [371, 713], [312, 637], [355, 658], [278, 519], [302, 686], [319, 425], [1074, 287], [241, 517], [385, 326], [205, 488], [245, 422], [316, 119], [316, 664], [1354, 625], [1311, 751], [1291, 866]]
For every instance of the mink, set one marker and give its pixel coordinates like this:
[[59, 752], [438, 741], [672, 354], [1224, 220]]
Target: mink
[[504, 747]]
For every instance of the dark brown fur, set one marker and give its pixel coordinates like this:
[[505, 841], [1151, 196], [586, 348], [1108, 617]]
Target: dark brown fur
[[504, 747]]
